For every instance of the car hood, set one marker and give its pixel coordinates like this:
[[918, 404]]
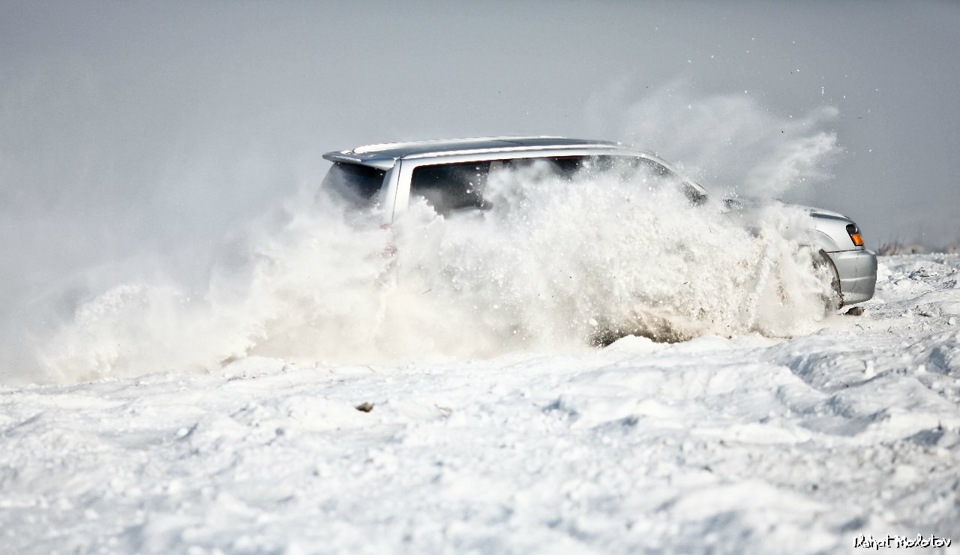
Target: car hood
[[754, 203]]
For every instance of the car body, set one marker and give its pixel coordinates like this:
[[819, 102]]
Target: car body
[[449, 173]]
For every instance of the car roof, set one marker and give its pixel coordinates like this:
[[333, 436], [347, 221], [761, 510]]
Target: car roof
[[384, 156]]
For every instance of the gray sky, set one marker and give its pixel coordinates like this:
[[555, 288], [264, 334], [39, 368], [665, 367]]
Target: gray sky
[[133, 128]]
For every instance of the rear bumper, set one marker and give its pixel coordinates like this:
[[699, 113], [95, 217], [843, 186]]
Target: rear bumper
[[857, 271]]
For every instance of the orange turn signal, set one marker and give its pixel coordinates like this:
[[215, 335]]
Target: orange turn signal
[[855, 236]]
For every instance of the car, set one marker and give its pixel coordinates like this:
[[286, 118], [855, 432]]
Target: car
[[450, 175]]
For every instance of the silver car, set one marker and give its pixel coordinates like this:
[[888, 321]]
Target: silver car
[[449, 174]]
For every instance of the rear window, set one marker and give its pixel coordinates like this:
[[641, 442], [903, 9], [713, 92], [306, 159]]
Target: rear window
[[355, 183]]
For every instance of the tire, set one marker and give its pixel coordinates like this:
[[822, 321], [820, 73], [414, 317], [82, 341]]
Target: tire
[[821, 263]]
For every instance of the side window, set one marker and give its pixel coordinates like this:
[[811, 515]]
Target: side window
[[655, 168], [564, 167], [628, 167], [449, 187], [567, 167]]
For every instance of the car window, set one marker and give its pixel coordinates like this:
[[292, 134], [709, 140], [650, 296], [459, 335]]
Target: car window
[[627, 166], [566, 167], [450, 187], [570, 167], [634, 167], [356, 183]]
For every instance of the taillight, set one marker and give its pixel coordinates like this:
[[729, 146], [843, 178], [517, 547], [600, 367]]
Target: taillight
[[854, 233]]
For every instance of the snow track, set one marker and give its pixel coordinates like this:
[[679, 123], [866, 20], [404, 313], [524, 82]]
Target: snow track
[[712, 445]]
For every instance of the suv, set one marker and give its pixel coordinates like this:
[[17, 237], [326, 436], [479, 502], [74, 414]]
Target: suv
[[451, 174]]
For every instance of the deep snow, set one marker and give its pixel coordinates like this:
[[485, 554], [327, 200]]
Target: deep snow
[[722, 445]]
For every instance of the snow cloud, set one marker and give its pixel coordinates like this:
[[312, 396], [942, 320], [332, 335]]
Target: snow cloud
[[554, 265], [726, 140]]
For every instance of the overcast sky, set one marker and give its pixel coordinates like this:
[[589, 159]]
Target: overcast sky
[[132, 128]]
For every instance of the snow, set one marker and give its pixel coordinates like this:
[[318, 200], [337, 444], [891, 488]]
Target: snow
[[745, 444], [552, 263]]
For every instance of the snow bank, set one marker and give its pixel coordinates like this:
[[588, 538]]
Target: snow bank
[[750, 444]]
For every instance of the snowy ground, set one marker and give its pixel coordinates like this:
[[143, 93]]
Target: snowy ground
[[712, 445]]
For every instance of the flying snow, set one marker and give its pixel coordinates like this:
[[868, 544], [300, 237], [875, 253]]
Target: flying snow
[[555, 264]]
